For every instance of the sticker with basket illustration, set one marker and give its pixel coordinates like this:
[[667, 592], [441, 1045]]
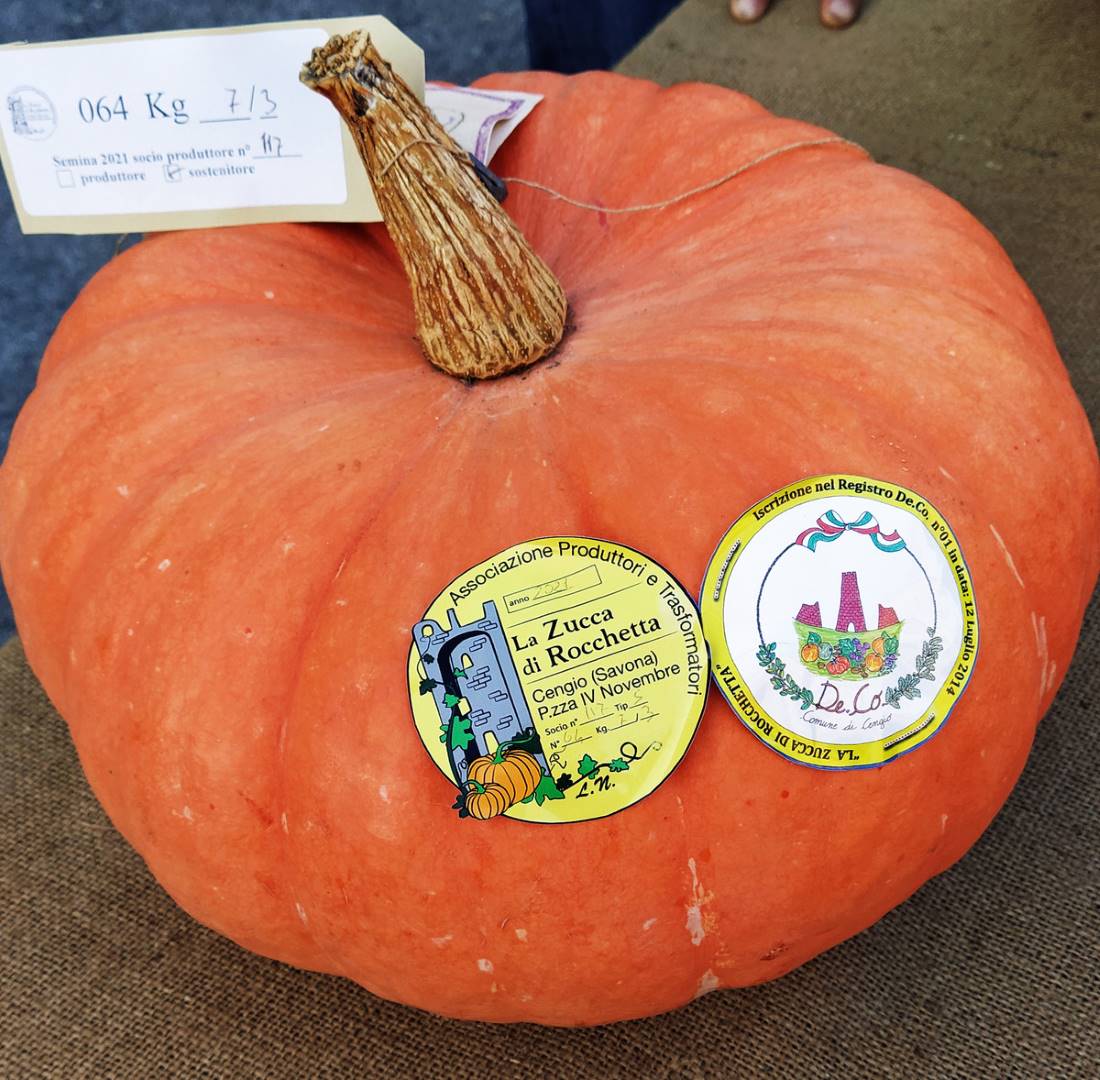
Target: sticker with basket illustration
[[559, 680], [785, 607], [849, 650]]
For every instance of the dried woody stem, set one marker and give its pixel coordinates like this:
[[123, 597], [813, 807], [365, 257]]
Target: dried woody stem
[[485, 303]]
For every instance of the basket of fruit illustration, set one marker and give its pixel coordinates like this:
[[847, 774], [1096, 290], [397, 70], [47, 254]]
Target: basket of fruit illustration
[[851, 651]]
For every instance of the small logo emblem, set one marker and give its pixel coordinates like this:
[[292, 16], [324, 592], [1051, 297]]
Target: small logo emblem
[[31, 113]]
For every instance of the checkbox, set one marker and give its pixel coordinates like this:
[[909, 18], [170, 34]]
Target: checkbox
[[173, 173], [65, 178]]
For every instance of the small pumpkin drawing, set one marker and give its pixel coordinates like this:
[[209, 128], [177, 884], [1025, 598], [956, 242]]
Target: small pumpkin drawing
[[514, 770], [486, 801], [810, 653]]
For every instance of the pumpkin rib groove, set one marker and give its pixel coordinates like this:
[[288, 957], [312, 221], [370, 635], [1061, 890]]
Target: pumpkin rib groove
[[185, 313], [122, 304], [332, 392], [699, 924], [578, 480], [155, 855], [458, 398], [842, 280], [77, 437], [336, 390], [746, 267], [1051, 375], [590, 522], [150, 492], [310, 624], [560, 248]]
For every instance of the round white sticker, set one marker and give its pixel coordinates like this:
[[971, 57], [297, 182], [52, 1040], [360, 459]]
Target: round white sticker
[[842, 621]]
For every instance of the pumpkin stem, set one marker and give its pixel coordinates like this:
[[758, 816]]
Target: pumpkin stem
[[485, 303]]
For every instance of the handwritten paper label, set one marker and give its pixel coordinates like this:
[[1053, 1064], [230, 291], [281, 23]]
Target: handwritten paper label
[[183, 129], [560, 680], [479, 120]]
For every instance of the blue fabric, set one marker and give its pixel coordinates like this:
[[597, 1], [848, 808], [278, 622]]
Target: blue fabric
[[580, 35]]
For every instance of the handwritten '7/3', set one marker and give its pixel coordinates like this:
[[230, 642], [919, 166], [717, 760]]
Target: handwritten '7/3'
[[255, 104]]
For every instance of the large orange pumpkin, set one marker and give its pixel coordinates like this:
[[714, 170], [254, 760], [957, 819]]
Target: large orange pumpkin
[[220, 514]]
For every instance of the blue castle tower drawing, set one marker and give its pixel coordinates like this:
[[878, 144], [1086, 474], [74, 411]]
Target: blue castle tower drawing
[[18, 116], [491, 696]]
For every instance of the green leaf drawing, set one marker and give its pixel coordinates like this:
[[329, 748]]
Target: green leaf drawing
[[586, 766], [547, 789], [926, 660], [908, 686], [460, 673], [617, 765], [451, 699], [766, 654], [427, 658], [427, 685], [813, 638], [461, 735], [780, 679]]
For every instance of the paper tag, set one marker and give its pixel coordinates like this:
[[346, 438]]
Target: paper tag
[[842, 621], [184, 130], [479, 120], [560, 680]]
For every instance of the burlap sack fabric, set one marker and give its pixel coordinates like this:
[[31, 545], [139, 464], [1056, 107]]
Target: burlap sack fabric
[[991, 970]]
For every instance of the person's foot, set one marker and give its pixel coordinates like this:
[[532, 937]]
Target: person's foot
[[835, 14]]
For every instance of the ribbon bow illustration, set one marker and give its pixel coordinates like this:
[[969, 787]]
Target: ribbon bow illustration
[[831, 525]]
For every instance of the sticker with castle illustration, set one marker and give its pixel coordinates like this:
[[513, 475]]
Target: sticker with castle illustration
[[559, 680], [842, 621]]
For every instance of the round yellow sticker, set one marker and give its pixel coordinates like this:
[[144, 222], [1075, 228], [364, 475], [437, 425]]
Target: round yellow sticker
[[560, 680], [842, 621]]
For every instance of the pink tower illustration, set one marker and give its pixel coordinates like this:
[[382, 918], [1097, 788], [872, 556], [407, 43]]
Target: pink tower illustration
[[850, 617], [809, 614]]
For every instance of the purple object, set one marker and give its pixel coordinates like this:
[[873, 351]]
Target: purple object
[[809, 615], [850, 617]]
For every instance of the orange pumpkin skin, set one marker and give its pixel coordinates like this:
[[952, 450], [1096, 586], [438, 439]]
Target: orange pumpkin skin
[[217, 524]]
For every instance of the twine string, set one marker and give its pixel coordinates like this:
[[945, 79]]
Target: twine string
[[710, 185], [457, 151]]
